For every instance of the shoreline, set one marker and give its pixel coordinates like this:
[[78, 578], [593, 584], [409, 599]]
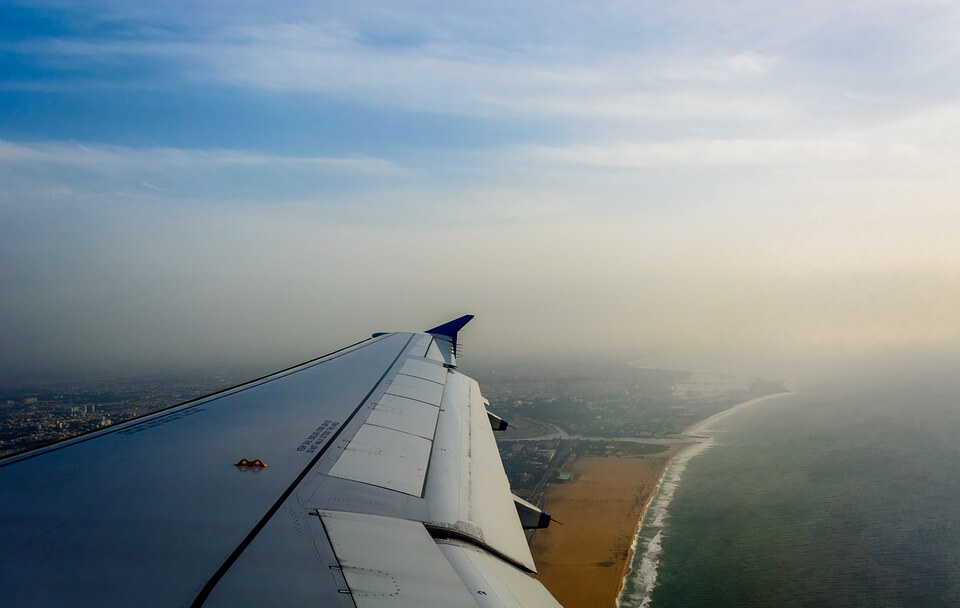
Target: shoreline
[[605, 509], [628, 564], [583, 561], [675, 468], [699, 427]]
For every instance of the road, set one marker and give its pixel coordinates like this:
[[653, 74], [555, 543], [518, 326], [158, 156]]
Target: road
[[559, 433]]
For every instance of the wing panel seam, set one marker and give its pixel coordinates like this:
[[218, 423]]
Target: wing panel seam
[[421, 378], [390, 428]]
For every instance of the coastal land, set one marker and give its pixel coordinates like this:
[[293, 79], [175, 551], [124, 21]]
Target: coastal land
[[582, 561]]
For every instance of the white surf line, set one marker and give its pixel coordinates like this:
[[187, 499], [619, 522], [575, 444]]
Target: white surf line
[[704, 425], [628, 566], [657, 506]]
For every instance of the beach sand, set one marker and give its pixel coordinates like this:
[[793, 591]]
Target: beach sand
[[582, 562]]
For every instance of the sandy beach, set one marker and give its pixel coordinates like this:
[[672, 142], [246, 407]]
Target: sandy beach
[[582, 562]]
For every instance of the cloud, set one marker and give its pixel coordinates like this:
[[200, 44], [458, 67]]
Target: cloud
[[447, 72], [921, 143], [610, 68], [110, 158], [705, 153], [749, 62]]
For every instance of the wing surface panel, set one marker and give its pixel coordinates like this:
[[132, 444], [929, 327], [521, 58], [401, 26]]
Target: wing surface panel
[[421, 345], [445, 350], [434, 354], [385, 458], [402, 414], [413, 387], [422, 368], [162, 494]]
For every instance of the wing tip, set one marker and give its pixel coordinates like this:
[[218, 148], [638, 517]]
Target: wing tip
[[450, 329]]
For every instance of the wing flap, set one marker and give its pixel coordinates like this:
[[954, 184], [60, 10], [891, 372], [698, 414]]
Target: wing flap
[[467, 491], [494, 582], [374, 553]]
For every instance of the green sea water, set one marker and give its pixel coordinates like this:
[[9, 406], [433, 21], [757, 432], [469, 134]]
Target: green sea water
[[846, 493]]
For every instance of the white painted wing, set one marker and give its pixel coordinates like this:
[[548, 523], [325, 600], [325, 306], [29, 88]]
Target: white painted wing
[[383, 487]]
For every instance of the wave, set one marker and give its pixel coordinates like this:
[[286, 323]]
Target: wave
[[641, 575]]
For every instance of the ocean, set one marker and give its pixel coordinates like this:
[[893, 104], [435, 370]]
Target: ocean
[[845, 493]]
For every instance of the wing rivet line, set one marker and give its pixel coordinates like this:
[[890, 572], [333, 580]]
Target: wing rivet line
[[257, 464]]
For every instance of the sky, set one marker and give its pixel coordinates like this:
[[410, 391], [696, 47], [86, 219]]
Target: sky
[[186, 184]]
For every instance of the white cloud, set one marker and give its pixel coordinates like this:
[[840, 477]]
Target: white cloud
[[749, 62], [442, 75], [109, 158], [921, 143], [705, 153]]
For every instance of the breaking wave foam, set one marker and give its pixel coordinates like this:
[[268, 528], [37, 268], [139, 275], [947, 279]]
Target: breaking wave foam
[[641, 575]]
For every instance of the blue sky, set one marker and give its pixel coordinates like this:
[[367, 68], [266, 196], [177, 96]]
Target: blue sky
[[183, 182]]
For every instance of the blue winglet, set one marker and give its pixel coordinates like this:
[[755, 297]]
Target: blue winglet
[[450, 329]]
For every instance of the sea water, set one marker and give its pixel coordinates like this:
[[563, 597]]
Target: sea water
[[846, 493]]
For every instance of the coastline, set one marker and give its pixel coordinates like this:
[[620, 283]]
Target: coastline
[[582, 561], [628, 564], [703, 425], [599, 554], [640, 578]]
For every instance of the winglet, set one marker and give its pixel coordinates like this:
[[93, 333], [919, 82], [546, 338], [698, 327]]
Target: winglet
[[450, 329]]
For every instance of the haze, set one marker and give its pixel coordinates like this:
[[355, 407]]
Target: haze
[[248, 182]]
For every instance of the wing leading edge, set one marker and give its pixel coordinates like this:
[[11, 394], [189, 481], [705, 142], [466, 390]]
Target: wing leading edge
[[383, 488]]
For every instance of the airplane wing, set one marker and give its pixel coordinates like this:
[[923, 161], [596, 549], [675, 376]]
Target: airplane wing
[[366, 478]]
